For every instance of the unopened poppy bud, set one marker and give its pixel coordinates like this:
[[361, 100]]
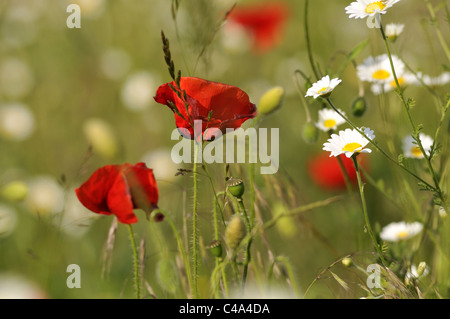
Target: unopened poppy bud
[[359, 106], [421, 268], [235, 232], [310, 132], [271, 100], [347, 261], [236, 187], [215, 247], [14, 191]]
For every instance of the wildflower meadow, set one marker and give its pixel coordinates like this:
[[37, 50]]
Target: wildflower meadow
[[224, 150]]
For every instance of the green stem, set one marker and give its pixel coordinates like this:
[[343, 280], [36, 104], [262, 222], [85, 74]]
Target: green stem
[[249, 243], [438, 31], [308, 42], [364, 206], [135, 260], [194, 225]]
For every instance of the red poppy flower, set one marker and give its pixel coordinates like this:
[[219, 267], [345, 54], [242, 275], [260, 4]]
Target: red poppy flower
[[326, 172], [264, 22], [118, 189], [218, 106]]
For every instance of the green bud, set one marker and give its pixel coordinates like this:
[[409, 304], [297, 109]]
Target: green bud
[[271, 100], [421, 268], [14, 191], [215, 247], [236, 187], [235, 232], [310, 132], [359, 106], [347, 262]]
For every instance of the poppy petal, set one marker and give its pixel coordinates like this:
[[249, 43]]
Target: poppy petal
[[120, 201]]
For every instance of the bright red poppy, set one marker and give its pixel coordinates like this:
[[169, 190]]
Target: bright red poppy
[[264, 22], [326, 172], [212, 106], [118, 189]]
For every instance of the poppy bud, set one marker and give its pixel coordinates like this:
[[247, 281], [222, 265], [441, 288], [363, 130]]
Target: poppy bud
[[359, 106], [310, 132], [271, 100], [347, 261], [285, 225], [236, 187], [215, 247], [235, 232], [14, 191]]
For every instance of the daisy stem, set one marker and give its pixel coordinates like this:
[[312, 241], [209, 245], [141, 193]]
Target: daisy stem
[[364, 206], [308, 42], [437, 188], [194, 225], [378, 147], [135, 260]]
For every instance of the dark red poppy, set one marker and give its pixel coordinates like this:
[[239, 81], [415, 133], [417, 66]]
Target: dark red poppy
[[118, 189], [326, 172], [264, 22], [218, 106]]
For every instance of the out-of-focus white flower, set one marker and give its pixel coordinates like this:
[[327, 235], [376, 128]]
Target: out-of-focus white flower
[[45, 196], [14, 286], [138, 90], [440, 80], [16, 78], [76, 219], [393, 30], [400, 231], [404, 80], [329, 119], [412, 150], [160, 161], [257, 292], [442, 212], [413, 272], [101, 136], [235, 38], [115, 63], [16, 122], [8, 220], [378, 69]]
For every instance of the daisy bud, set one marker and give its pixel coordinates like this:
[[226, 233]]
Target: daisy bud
[[310, 132], [271, 100], [421, 268], [235, 232], [215, 247], [236, 187], [14, 191], [359, 106]]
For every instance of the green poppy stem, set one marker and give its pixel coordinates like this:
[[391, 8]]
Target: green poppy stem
[[136, 264], [194, 224]]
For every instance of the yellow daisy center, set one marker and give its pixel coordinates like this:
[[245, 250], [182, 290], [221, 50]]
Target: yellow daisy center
[[329, 123], [400, 80], [322, 90], [415, 150], [402, 234], [372, 7], [381, 75], [351, 147]]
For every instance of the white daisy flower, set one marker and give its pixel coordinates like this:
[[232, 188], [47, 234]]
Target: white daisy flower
[[137, 91], [361, 9], [349, 142], [400, 230], [412, 150], [45, 196], [17, 122], [440, 80], [413, 272], [393, 30], [404, 80], [329, 120], [323, 87], [378, 69]]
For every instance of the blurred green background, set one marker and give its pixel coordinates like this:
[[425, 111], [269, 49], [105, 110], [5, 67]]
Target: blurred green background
[[76, 86]]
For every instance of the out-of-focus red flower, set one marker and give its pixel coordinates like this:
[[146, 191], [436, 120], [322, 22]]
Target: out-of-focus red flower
[[118, 189], [326, 172], [264, 21], [218, 106]]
